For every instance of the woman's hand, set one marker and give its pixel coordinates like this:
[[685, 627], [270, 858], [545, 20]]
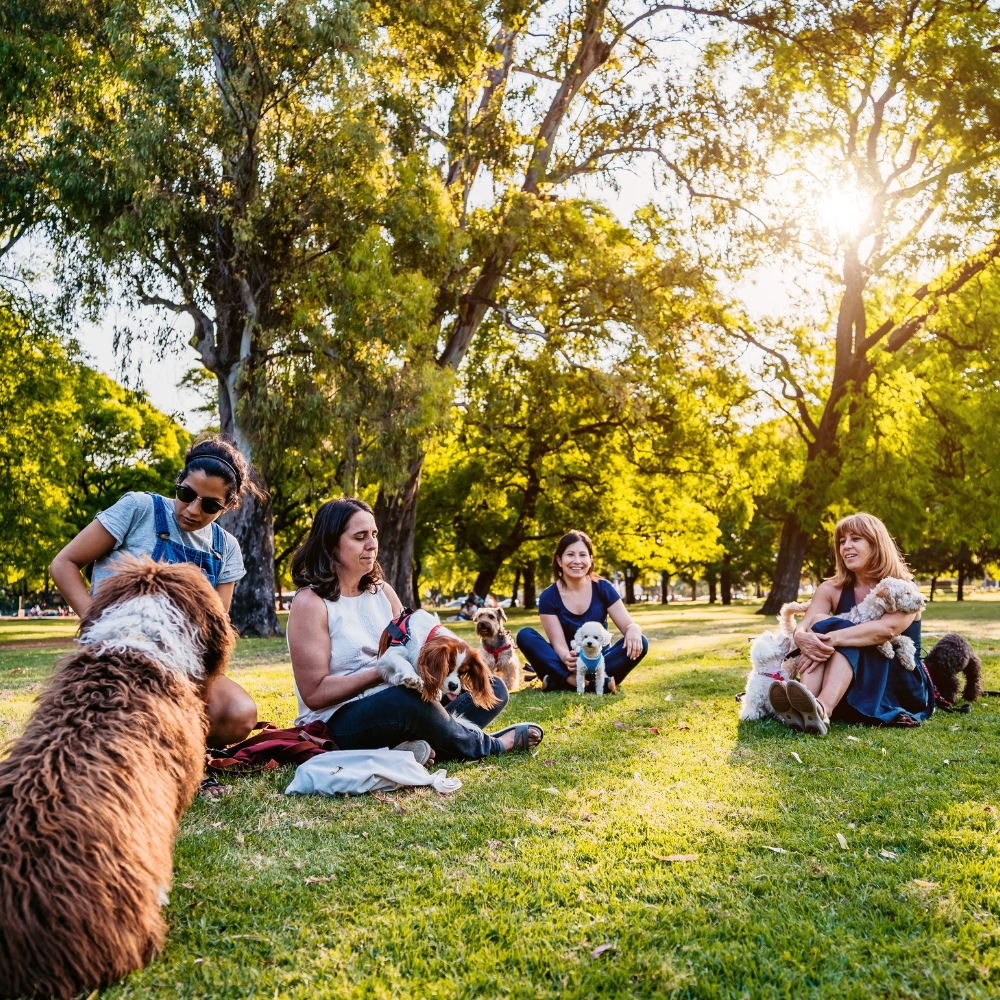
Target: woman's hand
[[633, 641], [569, 660], [813, 646]]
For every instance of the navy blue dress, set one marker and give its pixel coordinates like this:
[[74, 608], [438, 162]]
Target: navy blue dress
[[883, 693]]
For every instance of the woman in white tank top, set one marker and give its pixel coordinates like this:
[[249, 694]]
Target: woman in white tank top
[[334, 626]]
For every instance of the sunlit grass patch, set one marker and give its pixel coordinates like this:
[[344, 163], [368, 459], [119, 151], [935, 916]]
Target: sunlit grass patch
[[543, 876]]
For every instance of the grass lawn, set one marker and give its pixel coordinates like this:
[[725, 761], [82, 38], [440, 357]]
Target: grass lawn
[[512, 886]]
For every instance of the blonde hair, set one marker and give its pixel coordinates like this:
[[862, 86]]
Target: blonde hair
[[886, 559]]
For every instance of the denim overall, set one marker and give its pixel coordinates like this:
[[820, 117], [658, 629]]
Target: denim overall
[[167, 550]]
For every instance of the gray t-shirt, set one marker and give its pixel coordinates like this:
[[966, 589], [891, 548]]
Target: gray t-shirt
[[133, 523]]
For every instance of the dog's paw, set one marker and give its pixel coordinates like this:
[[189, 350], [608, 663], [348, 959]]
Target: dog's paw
[[412, 680]]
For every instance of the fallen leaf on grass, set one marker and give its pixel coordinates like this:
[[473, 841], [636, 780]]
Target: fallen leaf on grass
[[551, 791], [655, 731], [249, 937], [547, 763], [816, 868], [189, 885], [683, 725], [924, 884], [600, 950], [534, 818], [988, 809], [842, 840], [675, 857], [619, 725], [854, 739], [777, 850], [983, 970], [796, 756], [310, 879], [954, 729], [892, 856], [696, 703]]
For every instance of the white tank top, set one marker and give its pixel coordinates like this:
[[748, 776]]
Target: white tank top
[[355, 625]]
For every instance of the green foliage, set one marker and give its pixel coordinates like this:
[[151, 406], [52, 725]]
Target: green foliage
[[600, 403], [72, 441]]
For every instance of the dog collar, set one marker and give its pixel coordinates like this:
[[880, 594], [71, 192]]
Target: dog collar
[[495, 653], [590, 665]]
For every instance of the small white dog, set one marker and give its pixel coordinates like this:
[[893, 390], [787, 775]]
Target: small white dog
[[768, 664], [888, 595], [589, 642]]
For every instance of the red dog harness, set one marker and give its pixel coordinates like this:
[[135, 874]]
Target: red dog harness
[[397, 632], [495, 653]]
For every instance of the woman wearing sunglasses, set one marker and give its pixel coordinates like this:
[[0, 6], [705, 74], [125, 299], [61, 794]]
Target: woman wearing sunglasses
[[215, 478]]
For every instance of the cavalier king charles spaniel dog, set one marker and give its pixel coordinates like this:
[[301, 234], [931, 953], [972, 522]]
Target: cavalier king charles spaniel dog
[[417, 651]]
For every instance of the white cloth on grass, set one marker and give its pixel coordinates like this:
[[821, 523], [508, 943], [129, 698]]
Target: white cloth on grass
[[354, 772]]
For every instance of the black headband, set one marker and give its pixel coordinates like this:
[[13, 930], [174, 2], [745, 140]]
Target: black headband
[[216, 458]]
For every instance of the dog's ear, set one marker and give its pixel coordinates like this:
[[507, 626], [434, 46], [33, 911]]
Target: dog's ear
[[477, 680], [434, 663], [502, 614], [973, 679]]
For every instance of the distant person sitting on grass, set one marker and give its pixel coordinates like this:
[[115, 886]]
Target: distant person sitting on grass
[[842, 673], [215, 478], [579, 595], [340, 610]]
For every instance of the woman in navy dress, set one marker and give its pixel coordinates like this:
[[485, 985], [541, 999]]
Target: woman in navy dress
[[842, 674], [579, 595]]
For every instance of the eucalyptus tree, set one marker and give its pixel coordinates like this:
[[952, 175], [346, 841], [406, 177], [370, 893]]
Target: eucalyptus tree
[[873, 191], [241, 170]]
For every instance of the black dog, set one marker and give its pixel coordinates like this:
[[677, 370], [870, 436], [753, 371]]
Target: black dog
[[952, 655]]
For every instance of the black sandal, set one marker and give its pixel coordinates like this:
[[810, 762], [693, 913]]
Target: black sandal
[[520, 731]]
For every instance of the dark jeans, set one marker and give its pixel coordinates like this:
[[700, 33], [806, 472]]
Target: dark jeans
[[536, 650], [399, 714]]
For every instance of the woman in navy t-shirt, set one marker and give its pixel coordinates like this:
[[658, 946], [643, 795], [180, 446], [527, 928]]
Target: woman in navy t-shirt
[[579, 595]]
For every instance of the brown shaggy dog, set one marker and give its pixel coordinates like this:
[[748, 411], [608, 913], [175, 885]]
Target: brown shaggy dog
[[91, 794]]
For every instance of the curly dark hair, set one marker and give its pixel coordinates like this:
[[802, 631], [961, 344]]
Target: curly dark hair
[[314, 564], [217, 455]]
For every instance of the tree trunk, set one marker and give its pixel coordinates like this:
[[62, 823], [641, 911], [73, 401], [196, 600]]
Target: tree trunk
[[711, 580], [629, 585], [416, 582], [664, 587], [726, 580], [252, 610], [517, 583], [934, 580], [396, 518], [529, 586], [694, 587], [756, 589], [960, 595], [484, 580], [788, 569]]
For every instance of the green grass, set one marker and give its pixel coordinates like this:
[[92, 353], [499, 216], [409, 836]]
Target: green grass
[[506, 888]]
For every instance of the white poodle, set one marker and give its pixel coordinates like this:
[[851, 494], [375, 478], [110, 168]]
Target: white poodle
[[768, 664], [589, 642], [888, 595]]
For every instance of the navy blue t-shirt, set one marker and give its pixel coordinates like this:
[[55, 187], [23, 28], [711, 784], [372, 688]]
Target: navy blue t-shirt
[[602, 596]]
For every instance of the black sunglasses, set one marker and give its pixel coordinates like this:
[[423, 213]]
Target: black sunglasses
[[208, 504]]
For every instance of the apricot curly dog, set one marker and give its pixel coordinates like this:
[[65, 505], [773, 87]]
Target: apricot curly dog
[[91, 794]]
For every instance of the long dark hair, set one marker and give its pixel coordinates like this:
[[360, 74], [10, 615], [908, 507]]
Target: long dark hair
[[571, 538], [217, 455], [315, 561]]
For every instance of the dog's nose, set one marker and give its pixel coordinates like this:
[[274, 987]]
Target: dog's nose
[[453, 685]]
